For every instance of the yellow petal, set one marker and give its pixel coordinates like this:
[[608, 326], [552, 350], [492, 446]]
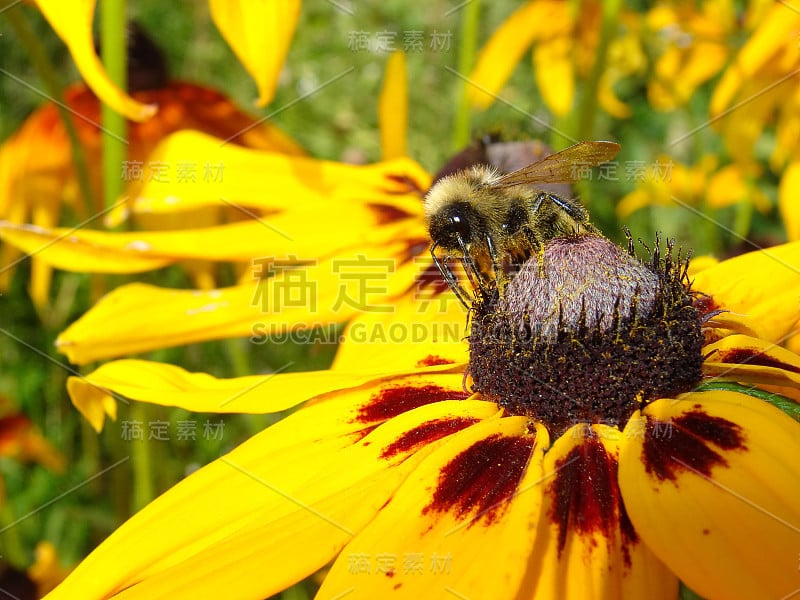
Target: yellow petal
[[505, 48], [555, 74], [427, 326], [302, 233], [281, 505], [72, 21], [761, 287], [74, 250], [788, 195], [711, 485], [259, 32], [775, 31], [168, 385], [609, 100], [586, 546], [227, 178], [393, 108], [751, 360], [301, 302], [459, 526]]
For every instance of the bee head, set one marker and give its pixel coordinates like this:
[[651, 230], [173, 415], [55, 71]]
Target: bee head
[[456, 223]]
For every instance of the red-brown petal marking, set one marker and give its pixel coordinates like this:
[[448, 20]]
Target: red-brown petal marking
[[685, 443], [386, 213], [425, 434], [432, 360], [412, 185], [586, 497], [483, 479], [752, 356], [429, 279], [392, 401]]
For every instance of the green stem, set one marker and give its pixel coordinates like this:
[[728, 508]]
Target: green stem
[[588, 109], [115, 55], [141, 455], [743, 218], [47, 73], [467, 45], [13, 547]]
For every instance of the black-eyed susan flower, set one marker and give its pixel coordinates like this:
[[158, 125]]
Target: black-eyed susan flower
[[611, 434], [39, 184]]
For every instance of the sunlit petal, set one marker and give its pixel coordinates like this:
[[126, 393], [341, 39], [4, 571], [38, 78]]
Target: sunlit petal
[[586, 546], [281, 505], [228, 179], [711, 485], [749, 359], [479, 492], [259, 31], [72, 21], [762, 287]]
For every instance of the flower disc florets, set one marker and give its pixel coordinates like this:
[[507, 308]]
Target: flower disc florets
[[585, 332]]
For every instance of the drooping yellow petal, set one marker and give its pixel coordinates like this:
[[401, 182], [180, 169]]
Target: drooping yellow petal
[[228, 178], [761, 287], [302, 301], [789, 200], [259, 32], [72, 21], [279, 506], [505, 48], [465, 514], [302, 233], [393, 108], [159, 383], [711, 485], [586, 546]]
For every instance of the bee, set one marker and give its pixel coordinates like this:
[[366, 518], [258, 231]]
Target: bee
[[494, 221]]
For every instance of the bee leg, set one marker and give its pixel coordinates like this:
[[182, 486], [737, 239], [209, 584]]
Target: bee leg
[[449, 277], [476, 279], [496, 267]]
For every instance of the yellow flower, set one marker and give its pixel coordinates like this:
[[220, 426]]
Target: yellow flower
[[692, 45], [759, 91], [706, 184], [241, 23], [565, 39], [593, 476], [38, 179], [359, 274]]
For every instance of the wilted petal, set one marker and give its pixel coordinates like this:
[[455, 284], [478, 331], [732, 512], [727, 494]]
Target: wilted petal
[[259, 31], [711, 485], [72, 21]]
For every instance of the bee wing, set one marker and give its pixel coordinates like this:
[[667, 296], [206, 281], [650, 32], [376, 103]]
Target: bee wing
[[561, 167]]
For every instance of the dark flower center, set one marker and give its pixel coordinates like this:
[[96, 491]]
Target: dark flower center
[[587, 333]]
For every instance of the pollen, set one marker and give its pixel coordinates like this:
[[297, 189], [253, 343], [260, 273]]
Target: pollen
[[586, 332]]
